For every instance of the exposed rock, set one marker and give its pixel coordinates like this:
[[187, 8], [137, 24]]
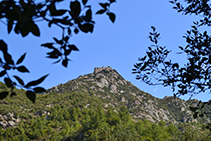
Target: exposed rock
[[122, 91], [11, 123], [137, 102], [103, 83], [50, 105], [148, 117], [133, 94], [166, 97], [93, 87], [87, 105], [5, 117], [124, 100], [113, 89], [10, 115], [163, 115], [182, 109], [3, 124], [106, 105]]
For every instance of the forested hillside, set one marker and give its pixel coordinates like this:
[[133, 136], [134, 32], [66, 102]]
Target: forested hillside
[[98, 106]]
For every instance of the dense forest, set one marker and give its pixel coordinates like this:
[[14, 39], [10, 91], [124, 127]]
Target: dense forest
[[68, 116]]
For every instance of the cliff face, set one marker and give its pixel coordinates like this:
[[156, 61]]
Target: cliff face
[[114, 91]]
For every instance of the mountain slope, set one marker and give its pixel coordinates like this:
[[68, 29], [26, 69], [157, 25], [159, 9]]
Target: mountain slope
[[114, 91]]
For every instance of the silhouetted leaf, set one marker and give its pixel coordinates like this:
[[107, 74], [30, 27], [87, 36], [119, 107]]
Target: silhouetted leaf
[[57, 61], [142, 59], [8, 58], [58, 41], [54, 54], [39, 90], [138, 78], [175, 65], [3, 95], [193, 109], [36, 82], [3, 46], [143, 67], [69, 31], [52, 9], [195, 115], [65, 62], [65, 39], [73, 47], [31, 96], [2, 73], [84, 2], [112, 16], [88, 16], [75, 7], [35, 30], [13, 94], [8, 82], [59, 12], [181, 47], [101, 11], [26, 28], [76, 30], [19, 80], [133, 69], [21, 59], [86, 27], [9, 26], [111, 1], [167, 63], [202, 105], [22, 69], [6, 67], [153, 28], [67, 52], [171, 2], [201, 115], [104, 5], [48, 45]]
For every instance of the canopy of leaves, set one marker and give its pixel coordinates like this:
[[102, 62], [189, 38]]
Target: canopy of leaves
[[21, 16], [192, 77]]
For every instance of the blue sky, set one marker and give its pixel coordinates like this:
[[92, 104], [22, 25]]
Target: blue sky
[[117, 45]]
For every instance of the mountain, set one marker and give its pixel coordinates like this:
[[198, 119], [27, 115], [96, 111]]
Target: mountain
[[99, 106], [113, 91]]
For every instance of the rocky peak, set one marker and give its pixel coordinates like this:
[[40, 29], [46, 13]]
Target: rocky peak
[[113, 90]]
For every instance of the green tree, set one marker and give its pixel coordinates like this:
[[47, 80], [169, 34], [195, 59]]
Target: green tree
[[74, 114], [192, 77], [124, 114], [22, 16]]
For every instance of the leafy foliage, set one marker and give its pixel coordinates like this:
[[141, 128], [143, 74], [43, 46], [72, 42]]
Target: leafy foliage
[[22, 17], [193, 77]]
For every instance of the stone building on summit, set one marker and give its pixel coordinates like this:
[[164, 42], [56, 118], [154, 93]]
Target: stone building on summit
[[98, 69]]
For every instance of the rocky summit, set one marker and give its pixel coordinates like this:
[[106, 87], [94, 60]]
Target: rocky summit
[[114, 91]]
